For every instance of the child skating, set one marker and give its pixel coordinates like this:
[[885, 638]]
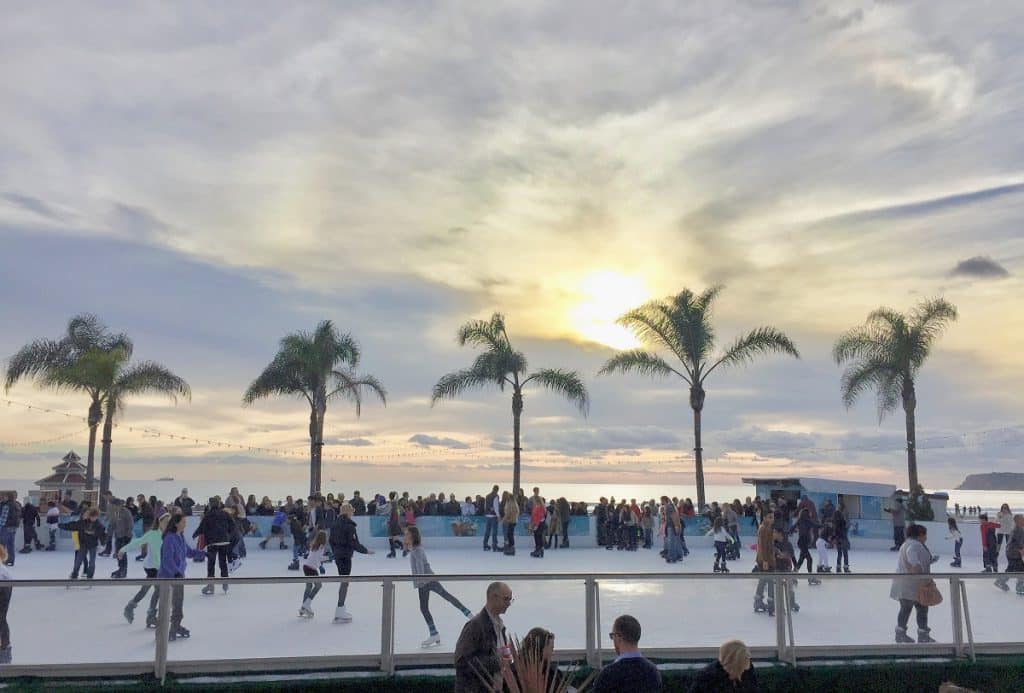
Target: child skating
[[722, 538], [421, 566], [957, 539], [152, 540], [345, 542], [312, 567]]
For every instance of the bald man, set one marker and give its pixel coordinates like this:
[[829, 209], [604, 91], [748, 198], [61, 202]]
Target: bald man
[[481, 641]]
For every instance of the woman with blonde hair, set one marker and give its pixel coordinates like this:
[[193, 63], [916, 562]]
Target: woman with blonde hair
[[732, 671], [510, 518]]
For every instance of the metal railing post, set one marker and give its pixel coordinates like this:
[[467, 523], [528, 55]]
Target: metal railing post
[[387, 629], [967, 620], [779, 586], [956, 605], [591, 621], [163, 631], [597, 621], [789, 626]]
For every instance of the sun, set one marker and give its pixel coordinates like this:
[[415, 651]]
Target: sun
[[604, 296]]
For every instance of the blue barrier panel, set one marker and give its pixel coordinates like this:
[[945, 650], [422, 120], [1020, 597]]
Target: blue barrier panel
[[470, 526]]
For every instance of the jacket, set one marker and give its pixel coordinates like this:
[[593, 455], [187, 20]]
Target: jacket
[[511, 514], [912, 554], [217, 527], [477, 643], [153, 539], [174, 553], [714, 678], [122, 525], [420, 565], [538, 516], [344, 540], [1015, 547], [765, 547], [90, 532]]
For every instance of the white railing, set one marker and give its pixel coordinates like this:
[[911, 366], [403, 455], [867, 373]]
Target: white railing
[[387, 661]]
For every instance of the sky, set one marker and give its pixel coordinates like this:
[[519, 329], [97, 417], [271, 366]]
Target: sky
[[209, 179]]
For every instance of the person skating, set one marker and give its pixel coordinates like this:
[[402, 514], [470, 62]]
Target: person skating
[[721, 536], [276, 530], [122, 526], [538, 525], [421, 566], [673, 531], [30, 522], [989, 548], [10, 520], [395, 534], [822, 544], [914, 559], [90, 534], [957, 539], [510, 518], [554, 525], [5, 604], [344, 542], [765, 561], [806, 528], [52, 524], [1004, 518], [492, 511], [841, 539], [1014, 557], [565, 517], [174, 555], [152, 540], [297, 525], [218, 529], [899, 523], [312, 566]]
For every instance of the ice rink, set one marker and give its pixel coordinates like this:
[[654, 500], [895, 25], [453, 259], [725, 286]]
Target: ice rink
[[86, 625]]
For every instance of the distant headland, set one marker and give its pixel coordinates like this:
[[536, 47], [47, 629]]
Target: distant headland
[[993, 481]]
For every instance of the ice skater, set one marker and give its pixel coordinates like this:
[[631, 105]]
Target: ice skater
[[90, 535], [722, 538], [822, 545], [1014, 557], [841, 540], [395, 534], [421, 566], [344, 542], [806, 527], [174, 555], [151, 540], [218, 530], [312, 566], [957, 539]]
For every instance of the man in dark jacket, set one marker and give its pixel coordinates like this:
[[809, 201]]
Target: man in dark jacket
[[565, 515], [219, 534], [121, 527], [358, 504], [482, 641], [10, 518], [491, 511], [344, 542], [630, 671], [30, 521], [185, 503]]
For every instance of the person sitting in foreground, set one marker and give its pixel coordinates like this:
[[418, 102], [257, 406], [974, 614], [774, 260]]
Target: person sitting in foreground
[[630, 672], [732, 671]]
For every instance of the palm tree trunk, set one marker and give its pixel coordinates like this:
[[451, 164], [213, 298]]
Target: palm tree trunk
[[108, 434], [316, 436], [94, 418], [697, 404], [517, 413], [909, 407]]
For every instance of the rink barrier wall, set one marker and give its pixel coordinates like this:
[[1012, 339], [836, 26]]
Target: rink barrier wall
[[387, 661]]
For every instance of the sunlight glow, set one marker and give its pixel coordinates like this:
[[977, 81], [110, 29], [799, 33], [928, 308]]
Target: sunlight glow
[[604, 296]]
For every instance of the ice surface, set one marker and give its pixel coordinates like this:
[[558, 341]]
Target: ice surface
[[86, 625]]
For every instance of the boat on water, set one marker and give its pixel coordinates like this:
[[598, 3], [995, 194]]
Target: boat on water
[[166, 478]]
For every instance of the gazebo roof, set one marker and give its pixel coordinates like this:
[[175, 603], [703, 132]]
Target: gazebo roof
[[70, 472]]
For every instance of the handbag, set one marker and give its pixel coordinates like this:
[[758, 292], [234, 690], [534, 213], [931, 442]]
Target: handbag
[[928, 593]]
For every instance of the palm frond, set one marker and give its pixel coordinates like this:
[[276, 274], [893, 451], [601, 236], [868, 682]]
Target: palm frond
[[489, 334], [865, 375], [763, 340], [150, 377], [641, 362], [651, 325], [563, 382], [34, 359], [350, 386], [454, 384], [928, 320], [280, 377]]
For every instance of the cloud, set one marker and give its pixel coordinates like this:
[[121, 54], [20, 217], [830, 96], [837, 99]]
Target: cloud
[[355, 442], [429, 441], [979, 267]]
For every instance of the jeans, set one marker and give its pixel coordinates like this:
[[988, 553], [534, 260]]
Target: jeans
[[956, 549], [538, 539], [510, 534], [734, 532], [435, 586], [898, 535], [491, 530], [648, 538], [217, 554], [674, 545], [565, 531], [122, 561], [344, 568], [719, 553], [177, 605], [5, 603], [141, 594], [906, 605], [7, 539], [805, 554], [298, 547], [842, 556], [53, 535], [86, 560], [312, 587]]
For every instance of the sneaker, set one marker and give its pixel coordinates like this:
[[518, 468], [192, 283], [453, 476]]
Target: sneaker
[[129, 612], [902, 637], [341, 615], [207, 591], [433, 641]]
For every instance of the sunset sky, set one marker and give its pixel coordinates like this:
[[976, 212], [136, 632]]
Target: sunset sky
[[209, 178]]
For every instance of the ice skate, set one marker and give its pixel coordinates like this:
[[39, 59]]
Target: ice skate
[[846, 569], [1020, 588], [341, 615], [129, 612], [954, 564], [813, 581], [306, 611], [294, 565], [207, 591], [433, 641], [716, 568], [725, 568], [902, 637], [224, 588], [150, 619], [1001, 584], [924, 636], [759, 606], [771, 608]]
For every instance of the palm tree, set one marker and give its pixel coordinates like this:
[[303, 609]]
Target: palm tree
[[43, 357], [503, 366], [682, 325], [318, 367], [885, 354], [115, 378]]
